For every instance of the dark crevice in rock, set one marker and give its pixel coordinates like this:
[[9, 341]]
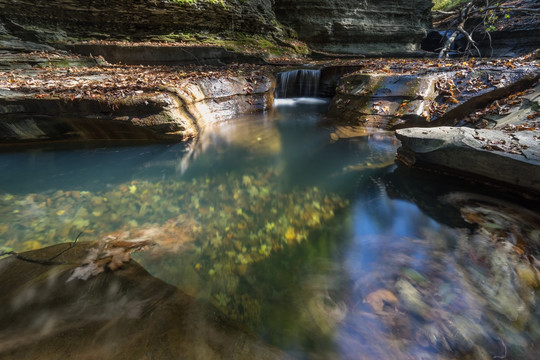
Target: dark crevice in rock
[[164, 55]]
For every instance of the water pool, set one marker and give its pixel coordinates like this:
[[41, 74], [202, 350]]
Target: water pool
[[307, 236]]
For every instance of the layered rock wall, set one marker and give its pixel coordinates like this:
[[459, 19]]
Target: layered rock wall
[[357, 26], [134, 18], [340, 26]]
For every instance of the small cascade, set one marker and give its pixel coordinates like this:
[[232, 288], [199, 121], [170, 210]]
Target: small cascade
[[298, 83]]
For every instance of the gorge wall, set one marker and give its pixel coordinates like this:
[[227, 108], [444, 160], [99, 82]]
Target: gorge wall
[[134, 18], [357, 26], [339, 26]]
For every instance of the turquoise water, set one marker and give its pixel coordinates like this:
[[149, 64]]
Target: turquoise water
[[306, 235]]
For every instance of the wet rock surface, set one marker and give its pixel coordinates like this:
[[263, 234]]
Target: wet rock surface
[[120, 314], [488, 110], [426, 92], [380, 100], [491, 154]]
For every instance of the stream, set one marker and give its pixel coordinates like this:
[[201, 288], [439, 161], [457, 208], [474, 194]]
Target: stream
[[308, 235]]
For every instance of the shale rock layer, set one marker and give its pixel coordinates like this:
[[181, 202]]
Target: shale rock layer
[[102, 18], [357, 26]]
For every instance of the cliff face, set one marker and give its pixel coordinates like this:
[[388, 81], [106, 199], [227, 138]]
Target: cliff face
[[357, 26], [134, 18], [341, 26]]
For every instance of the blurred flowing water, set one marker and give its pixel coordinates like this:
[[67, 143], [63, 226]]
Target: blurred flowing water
[[307, 235], [298, 83]]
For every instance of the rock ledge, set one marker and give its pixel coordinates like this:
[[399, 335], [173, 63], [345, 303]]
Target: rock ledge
[[512, 159]]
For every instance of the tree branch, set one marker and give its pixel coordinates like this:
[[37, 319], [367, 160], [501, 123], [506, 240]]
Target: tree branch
[[36, 261], [469, 39], [463, 16], [48, 261]]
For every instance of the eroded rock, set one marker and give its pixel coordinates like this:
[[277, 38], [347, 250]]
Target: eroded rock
[[68, 19], [495, 155], [45, 105], [424, 98], [359, 26], [380, 100], [159, 54]]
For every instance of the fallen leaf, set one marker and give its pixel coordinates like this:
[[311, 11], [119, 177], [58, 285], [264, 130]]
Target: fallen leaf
[[379, 298]]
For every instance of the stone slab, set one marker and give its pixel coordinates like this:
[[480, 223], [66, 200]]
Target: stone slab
[[509, 158]]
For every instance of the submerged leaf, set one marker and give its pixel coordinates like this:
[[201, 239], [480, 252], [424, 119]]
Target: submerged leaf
[[378, 299]]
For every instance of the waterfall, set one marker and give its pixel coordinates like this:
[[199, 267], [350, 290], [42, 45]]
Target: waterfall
[[298, 83]]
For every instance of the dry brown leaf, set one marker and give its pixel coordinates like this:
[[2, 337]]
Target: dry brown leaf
[[379, 298]]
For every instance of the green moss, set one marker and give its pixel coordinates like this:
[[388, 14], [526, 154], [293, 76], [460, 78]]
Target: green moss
[[302, 48], [240, 42], [69, 63], [258, 43], [60, 64], [447, 4], [191, 2], [243, 42]]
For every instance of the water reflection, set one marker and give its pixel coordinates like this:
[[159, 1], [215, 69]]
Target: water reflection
[[37, 171], [425, 290], [305, 235]]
